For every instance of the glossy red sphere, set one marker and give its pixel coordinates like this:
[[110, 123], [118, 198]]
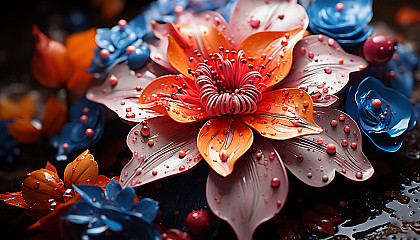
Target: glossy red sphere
[[199, 222], [378, 49]]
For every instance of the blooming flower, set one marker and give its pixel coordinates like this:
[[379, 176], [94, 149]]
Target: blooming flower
[[382, 113], [345, 21], [113, 209]]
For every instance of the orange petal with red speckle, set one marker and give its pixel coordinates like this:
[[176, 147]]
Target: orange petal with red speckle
[[23, 131], [222, 141], [50, 167], [51, 64], [83, 170], [283, 114], [55, 116], [278, 47], [42, 188], [183, 114]]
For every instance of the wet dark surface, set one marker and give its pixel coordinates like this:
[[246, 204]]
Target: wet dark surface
[[387, 205]]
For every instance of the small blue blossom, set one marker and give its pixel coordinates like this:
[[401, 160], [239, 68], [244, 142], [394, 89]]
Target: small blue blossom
[[344, 20], [115, 41], [114, 210], [382, 113], [75, 135], [400, 70]]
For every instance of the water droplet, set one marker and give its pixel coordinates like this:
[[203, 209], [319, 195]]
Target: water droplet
[[113, 80], [145, 130], [309, 175], [320, 141], [325, 178], [254, 22], [344, 143], [353, 145], [328, 70], [347, 129], [151, 142], [272, 155], [259, 155], [275, 182], [154, 172], [331, 148], [339, 6], [89, 132], [36, 185], [223, 155], [182, 153], [333, 123], [359, 175], [342, 117], [376, 103]]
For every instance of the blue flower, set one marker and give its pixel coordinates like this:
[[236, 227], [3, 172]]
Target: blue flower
[[9, 146], [113, 210], [382, 113], [115, 41], [344, 20], [75, 135], [400, 70]]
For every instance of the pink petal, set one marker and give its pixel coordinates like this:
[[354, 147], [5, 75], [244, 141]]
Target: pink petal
[[169, 149], [322, 67], [122, 97], [249, 196], [251, 16], [306, 157]]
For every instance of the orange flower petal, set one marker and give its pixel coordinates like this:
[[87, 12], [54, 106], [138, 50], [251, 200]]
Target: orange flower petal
[[55, 116], [24, 131], [83, 170], [24, 108], [222, 141], [159, 96], [51, 64], [183, 114], [81, 47], [183, 42], [274, 51], [283, 114], [158, 92]]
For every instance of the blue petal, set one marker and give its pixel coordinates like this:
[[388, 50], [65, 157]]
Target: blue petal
[[386, 143], [112, 225], [79, 213], [118, 197], [140, 229], [348, 27], [139, 57], [400, 106], [166, 7], [92, 194], [74, 132], [96, 228], [402, 65], [147, 208], [103, 39]]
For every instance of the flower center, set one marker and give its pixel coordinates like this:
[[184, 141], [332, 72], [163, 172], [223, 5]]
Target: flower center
[[228, 86]]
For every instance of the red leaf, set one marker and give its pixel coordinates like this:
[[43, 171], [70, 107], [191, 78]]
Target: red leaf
[[50, 167], [328, 212]]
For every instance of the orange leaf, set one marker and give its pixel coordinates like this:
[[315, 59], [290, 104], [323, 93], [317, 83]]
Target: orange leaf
[[283, 114], [222, 141], [24, 131], [102, 181], [51, 64], [274, 51], [83, 170], [50, 167], [23, 108], [55, 116]]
